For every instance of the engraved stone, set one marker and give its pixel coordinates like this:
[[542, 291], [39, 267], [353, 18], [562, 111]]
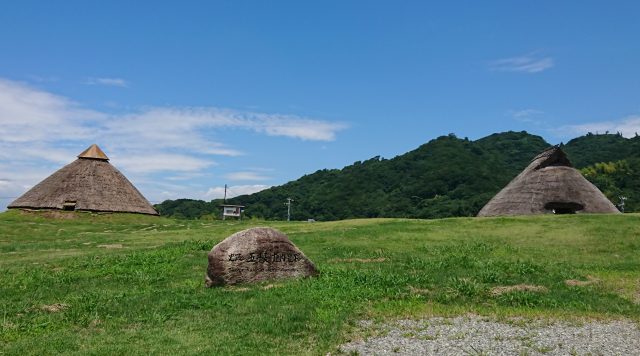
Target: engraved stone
[[254, 255]]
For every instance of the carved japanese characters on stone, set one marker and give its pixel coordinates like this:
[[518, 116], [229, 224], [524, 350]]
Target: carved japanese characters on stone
[[255, 255]]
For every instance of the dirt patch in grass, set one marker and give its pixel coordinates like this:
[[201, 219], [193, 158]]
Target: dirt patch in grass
[[54, 308], [576, 283], [361, 260], [237, 289], [269, 286], [500, 290], [413, 289], [112, 246]]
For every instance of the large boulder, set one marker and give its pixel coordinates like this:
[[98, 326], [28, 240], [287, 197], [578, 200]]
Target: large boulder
[[254, 255]]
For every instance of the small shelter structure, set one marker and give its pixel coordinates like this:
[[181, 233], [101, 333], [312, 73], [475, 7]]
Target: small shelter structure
[[89, 183], [549, 185], [234, 211]]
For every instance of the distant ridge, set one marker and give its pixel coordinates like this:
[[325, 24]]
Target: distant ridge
[[448, 176]]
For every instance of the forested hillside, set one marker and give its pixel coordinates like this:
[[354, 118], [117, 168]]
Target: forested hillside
[[445, 177], [616, 179]]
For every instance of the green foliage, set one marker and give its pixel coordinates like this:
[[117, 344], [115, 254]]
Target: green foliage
[[187, 208], [445, 177], [616, 179], [590, 149]]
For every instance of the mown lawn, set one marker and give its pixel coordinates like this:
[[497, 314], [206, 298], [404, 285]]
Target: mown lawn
[[130, 284]]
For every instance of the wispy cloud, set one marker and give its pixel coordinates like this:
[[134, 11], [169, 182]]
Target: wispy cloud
[[161, 162], [526, 115], [628, 127], [112, 82], [530, 63], [170, 125], [34, 116], [41, 129], [186, 176], [17, 178], [246, 176], [41, 79], [164, 191], [234, 191], [290, 126]]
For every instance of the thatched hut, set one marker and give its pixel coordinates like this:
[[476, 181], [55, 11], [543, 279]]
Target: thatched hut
[[548, 185], [89, 183]]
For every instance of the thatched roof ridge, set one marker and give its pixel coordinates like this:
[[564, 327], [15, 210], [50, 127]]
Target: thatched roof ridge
[[90, 184], [552, 156], [549, 182]]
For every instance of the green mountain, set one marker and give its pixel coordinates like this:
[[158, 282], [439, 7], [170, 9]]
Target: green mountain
[[447, 176], [590, 149]]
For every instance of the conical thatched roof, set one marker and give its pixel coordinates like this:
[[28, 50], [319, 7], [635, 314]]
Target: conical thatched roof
[[88, 183], [549, 184]]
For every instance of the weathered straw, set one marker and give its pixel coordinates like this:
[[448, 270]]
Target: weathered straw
[[548, 181], [91, 184]]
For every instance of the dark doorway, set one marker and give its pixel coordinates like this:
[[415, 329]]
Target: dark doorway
[[563, 207], [69, 205]]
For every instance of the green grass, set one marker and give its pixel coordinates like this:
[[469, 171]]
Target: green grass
[[149, 295]]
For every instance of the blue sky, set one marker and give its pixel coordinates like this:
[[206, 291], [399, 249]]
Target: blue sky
[[188, 96]]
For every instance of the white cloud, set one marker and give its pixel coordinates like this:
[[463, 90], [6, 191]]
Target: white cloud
[[159, 162], [246, 176], [234, 191], [42, 79], [41, 129], [112, 82], [526, 115], [31, 115], [628, 127], [164, 191], [170, 124], [15, 179], [529, 63], [305, 129], [187, 176], [34, 117]]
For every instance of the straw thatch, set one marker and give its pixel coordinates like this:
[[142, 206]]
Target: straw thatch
[[89, 183], [548, 185]]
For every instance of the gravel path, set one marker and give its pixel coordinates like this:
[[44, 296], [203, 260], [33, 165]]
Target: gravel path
[[475, 335]]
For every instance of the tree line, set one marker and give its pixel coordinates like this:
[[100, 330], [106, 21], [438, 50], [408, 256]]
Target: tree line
[[446, 177]]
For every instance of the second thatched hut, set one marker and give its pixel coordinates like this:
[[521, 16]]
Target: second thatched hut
[[548, 185]]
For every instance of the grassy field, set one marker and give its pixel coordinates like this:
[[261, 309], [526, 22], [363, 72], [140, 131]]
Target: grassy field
[[129, 284]]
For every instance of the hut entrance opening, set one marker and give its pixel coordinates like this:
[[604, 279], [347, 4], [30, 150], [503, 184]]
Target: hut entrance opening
[[69, 205], [563, 207]]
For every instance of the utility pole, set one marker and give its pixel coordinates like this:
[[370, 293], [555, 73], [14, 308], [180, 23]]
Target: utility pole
[[225, 194], [288, 204], [224, 202]]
